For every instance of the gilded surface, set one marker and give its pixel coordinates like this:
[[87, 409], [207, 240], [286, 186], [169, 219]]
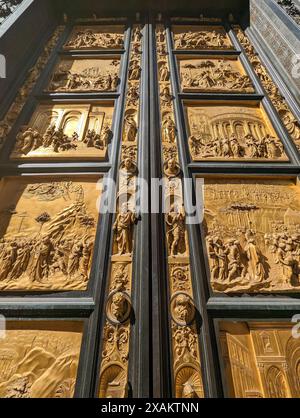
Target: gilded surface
[[33, 74], [262, 360], [185, 343], [252, 230], [66, 131], [288, 119], [212, 74], [116, 337], [232, 132], [201, 37], [85, 75], [96, 37], [39, 359], [47, 233]]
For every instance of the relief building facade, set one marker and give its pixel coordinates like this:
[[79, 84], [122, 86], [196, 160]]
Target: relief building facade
[[117, 289]]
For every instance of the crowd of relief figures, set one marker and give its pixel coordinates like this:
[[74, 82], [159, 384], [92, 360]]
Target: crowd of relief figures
[[96, 37], [290, 122], [116, 336], [205, 37], [262, 360], [39, 359], [47, 234], [33, 74], [232, 132], [252, 230], [86, 74], [80, 131], [186, 356], [214, 75]]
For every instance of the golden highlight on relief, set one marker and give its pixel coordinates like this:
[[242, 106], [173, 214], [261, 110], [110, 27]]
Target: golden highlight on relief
[[96, 37], [70, 131], [85, 75], [232, 132], [201, 37], [47, 232], [39, 359], [252, 230], [262, 360], [213, 74]]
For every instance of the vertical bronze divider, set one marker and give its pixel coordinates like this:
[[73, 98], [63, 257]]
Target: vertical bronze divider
[[185, 345], [117, 328]]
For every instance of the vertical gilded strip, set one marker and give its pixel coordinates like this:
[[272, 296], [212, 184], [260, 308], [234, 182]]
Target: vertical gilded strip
[[185, 344], [115, 352], [290, 122], [12, 114]]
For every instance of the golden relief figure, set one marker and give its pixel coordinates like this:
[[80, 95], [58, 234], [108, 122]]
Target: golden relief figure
[[252, 230], [201, 37], [262, 360], [96, 37], [85, 75], [232, 132], [39, 359], [68, 131], [213, 75], [47, 233]]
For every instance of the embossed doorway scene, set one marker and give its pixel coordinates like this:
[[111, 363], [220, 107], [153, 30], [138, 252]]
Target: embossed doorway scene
[[131, 303]]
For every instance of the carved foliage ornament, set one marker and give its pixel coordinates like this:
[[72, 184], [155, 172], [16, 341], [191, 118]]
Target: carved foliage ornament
[[186, 365], [290, 122], [114, 365], [22, 95]]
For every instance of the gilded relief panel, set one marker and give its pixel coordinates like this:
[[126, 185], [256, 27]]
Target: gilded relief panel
[[69, 131], [47, 233], [96, 37], [39, 359], [85, 75], [214, 75], [201, 38], [262, 360], [252, 230], [236, 131]]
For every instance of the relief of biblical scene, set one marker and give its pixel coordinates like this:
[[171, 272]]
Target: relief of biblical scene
[[96, 37], [252, 230], [39, 359], [47, 232], [238, 131], [262, 360], [70, 131], [201, 37], [213, 74], [85, 75]]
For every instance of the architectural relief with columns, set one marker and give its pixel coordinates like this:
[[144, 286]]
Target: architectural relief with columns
[[232, 132], [70, 131], [262, 360]]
